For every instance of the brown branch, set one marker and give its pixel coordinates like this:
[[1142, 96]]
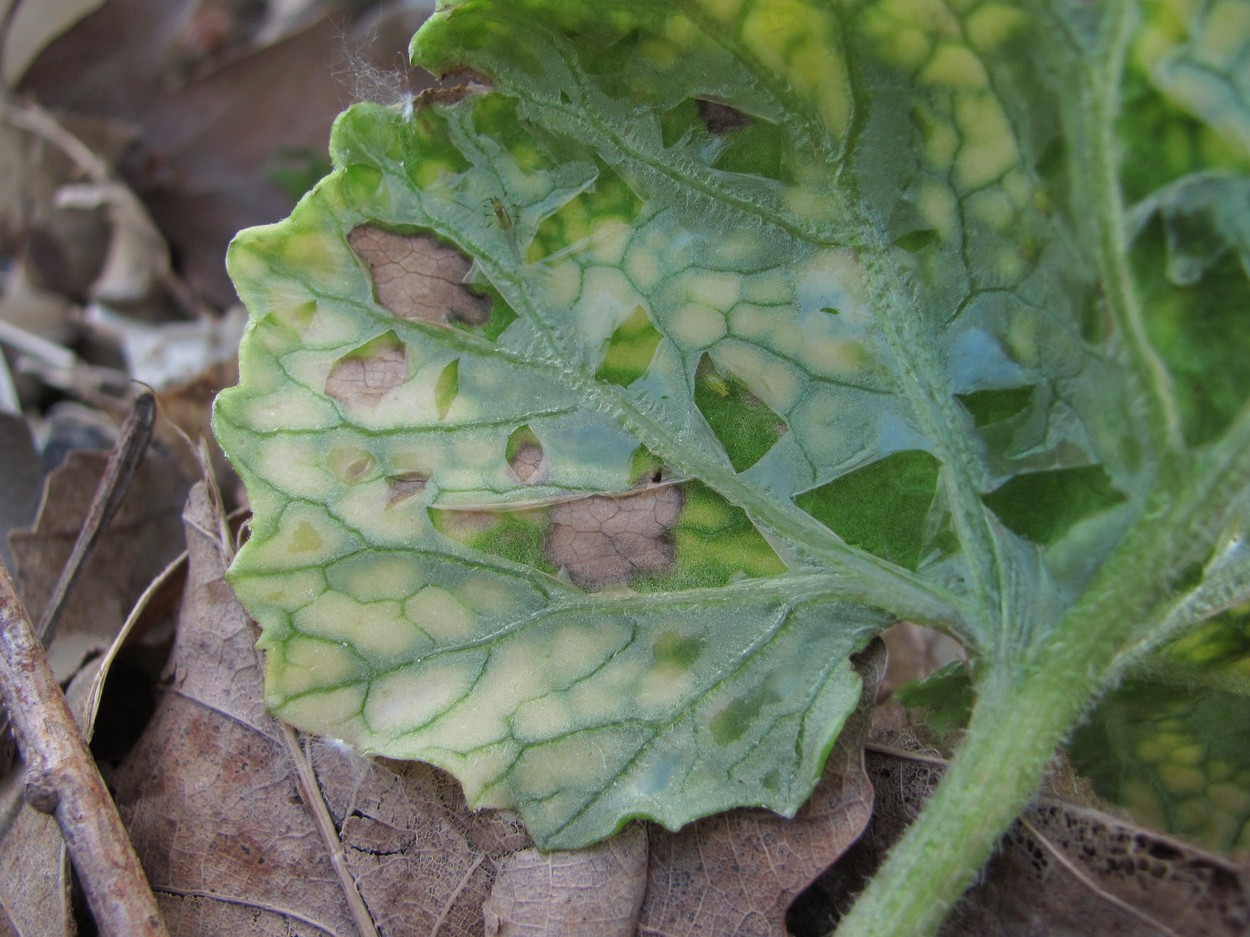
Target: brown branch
[[62, 780]]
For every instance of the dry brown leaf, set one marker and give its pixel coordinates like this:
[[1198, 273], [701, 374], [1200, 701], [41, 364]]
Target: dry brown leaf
[[595, 892], [1063, 869], [416, 277], [208, 148], [144, 536], [736, 874]]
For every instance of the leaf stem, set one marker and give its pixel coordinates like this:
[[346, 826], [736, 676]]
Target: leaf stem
[[1018, 721]]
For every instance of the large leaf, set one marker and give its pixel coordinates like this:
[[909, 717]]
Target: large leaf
[[594, 414]]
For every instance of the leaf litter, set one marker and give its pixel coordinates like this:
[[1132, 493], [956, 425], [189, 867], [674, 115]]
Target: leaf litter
[[476, 872]]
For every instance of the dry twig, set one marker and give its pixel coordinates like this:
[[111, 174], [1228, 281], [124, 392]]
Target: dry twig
[[62, 780]]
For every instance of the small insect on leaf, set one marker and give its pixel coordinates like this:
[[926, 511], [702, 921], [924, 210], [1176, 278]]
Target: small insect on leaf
[[501, 213]]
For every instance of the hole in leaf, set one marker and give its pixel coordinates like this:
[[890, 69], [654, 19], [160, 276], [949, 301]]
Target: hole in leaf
[[1043, 506], [916, 241], [601, 540], [364, 376], [745, 425], [350, 464], [994, 406], [416, 277], [721, 119], [629, 350], [405, 487], [524, 452], [882, 507], [447, 388]]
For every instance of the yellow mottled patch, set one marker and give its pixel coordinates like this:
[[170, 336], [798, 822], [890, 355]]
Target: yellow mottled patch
[[752, 322], [543, 718], [1230, 799], [992, 24], [304, 664], [1151, 752], [1225, 35], [954, 66], [351, 465], [1182, 780], [941, 143], [835, 357], [287, 591], [296, 465], [487, 596], [380, 631], [663, 687], [663, 55], [608, 242], [411, 698], [696, 325], [643, 268], [582, 761], [335, 713], [1188, 755], [430, 172], [376, 576], [441, 615], [992, 208], [291, 408], [563, 283], [305, 537], [770, 380], [724, 10], [937, 206], [796, 40], [989, 148], [767, 289]]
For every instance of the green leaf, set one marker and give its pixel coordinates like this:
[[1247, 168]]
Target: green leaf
[[593, 415]]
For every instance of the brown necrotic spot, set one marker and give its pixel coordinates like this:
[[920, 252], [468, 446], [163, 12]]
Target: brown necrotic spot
[[404, 487], [606, 539], [415, 277], [363, 376], [524, 453]]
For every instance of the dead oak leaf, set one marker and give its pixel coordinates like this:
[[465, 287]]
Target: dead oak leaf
[[415, 277]]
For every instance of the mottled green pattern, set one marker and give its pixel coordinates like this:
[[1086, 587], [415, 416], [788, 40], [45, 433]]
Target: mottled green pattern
[[593, 420]]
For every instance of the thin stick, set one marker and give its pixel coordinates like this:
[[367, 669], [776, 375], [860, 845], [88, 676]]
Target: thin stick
[[62, 780], [124, 460]]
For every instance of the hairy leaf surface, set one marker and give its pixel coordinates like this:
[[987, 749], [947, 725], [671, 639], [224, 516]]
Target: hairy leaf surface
[[595, 413]]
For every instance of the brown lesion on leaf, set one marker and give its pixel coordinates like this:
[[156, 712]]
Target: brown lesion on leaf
[[526, 459], [365, 375], [404, 487], [605, 539], [721, 119], [415, 277]]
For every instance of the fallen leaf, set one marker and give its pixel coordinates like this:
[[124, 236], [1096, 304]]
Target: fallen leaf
[[593, 892], [21, 480], [1063, 868], [144, 536]]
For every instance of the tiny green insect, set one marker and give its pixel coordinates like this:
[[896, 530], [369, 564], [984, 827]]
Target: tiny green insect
[[501, 213], [716, 384]]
